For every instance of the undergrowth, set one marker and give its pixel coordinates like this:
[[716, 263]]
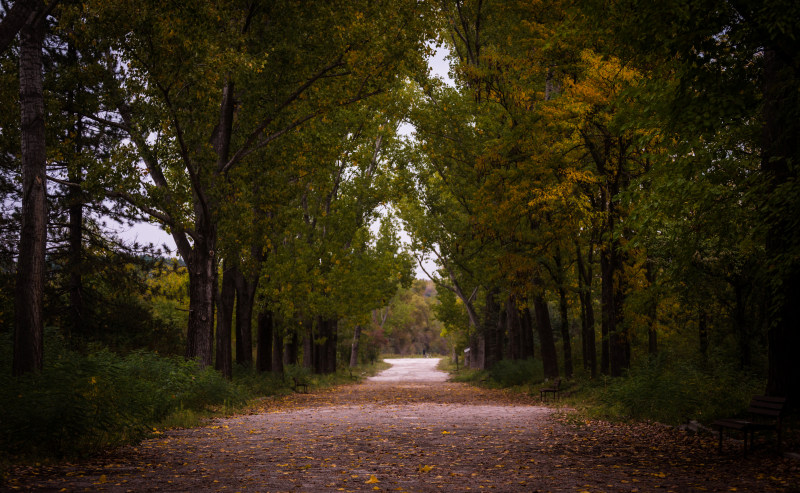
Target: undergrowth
[[84, 402], [674, 390], [666, 389]]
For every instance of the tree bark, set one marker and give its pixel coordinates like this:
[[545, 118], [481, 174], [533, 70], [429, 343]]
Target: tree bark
[[589, 344], [291, 349], [308, 345], [277, 349], [491, 330], [225, 301], [264, 342], [779, 161], [330, 345], [354, 347], [29, 327], [201, 266], [527, 333], [514, 326], [545, 330], [245, 297], [566, 339]]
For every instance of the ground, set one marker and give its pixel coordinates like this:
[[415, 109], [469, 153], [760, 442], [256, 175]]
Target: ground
[[409, 429]]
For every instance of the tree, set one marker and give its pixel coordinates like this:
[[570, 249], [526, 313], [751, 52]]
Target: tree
[[215, 84], [29, 328], [736, 61]]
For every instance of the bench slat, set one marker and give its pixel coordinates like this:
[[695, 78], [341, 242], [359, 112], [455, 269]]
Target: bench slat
[[764, 412]]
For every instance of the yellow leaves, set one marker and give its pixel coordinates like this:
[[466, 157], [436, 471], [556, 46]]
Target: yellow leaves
[[424, 469], [372, 480]]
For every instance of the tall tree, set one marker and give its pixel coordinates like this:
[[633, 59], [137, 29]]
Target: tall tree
[[215, 84], [29, 329]]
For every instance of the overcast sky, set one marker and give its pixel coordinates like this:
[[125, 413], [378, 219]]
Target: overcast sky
[[151, 233]]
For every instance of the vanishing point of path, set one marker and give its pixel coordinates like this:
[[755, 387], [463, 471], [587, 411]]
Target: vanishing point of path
[[409, 429]]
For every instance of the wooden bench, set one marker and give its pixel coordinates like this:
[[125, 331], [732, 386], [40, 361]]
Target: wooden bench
[[299, 384], [554, 389], [765, 413]]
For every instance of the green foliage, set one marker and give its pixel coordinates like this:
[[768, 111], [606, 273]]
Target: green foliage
[[82, 403], [674, 390], [510, 373], [411, 325]]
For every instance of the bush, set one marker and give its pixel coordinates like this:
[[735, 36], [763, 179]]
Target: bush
[[674, 390], [82, 403], [509, 373]]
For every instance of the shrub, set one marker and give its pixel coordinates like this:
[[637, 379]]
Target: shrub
[[674, 390], [81, 403], [509, 373]]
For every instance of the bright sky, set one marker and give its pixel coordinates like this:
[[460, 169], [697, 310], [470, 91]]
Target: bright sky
[[145, 233]]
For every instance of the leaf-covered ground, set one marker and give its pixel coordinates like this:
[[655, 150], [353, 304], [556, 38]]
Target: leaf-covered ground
[[418, 436]]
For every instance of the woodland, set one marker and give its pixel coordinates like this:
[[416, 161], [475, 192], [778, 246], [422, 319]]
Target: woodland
[[607, 188]]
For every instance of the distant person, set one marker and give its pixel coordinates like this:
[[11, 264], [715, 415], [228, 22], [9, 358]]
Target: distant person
[[425, 353]]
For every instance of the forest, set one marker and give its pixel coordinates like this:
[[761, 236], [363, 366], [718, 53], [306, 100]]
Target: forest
[[607, 190]]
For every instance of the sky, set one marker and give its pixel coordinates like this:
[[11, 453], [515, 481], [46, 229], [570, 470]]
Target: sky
[[145, 233]]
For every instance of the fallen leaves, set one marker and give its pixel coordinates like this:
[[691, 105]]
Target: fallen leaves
[[422, 437]]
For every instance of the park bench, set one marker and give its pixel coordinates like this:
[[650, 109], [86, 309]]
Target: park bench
[[765, 414], [554, 389], [298, 385]]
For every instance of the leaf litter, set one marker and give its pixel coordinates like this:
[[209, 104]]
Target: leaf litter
[[421, 436]]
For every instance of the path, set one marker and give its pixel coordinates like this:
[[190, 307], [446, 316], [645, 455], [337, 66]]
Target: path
[[408, 430]]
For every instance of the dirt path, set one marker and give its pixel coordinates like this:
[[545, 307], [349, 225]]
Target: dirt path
[[408, 430]]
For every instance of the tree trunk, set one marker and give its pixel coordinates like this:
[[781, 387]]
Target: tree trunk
[[616, 350], [779, 161], [201, 266], [308, 345], [245, 297], [589, 344], [565, 335], [514, 325], [652, 309], [291, 349], [491, 331], [354, 347], [264, 342], [277, 350], [545, 330], [29, 327], [330, 345], [75, 200], [225, 301], [527, 334]]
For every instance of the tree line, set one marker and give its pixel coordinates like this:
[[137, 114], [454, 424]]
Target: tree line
[[255, 133], [611, 178], [616, 165]]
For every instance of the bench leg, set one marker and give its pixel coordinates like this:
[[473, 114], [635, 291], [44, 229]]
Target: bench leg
[[745, 440]]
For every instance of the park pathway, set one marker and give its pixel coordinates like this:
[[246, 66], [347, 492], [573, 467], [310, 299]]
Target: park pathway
[[409, 429]]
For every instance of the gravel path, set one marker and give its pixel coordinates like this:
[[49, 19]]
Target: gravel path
[[408, 429]]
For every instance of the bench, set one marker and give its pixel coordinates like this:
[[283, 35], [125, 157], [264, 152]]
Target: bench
[[554, 389], [299, 384], [765, 413]]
